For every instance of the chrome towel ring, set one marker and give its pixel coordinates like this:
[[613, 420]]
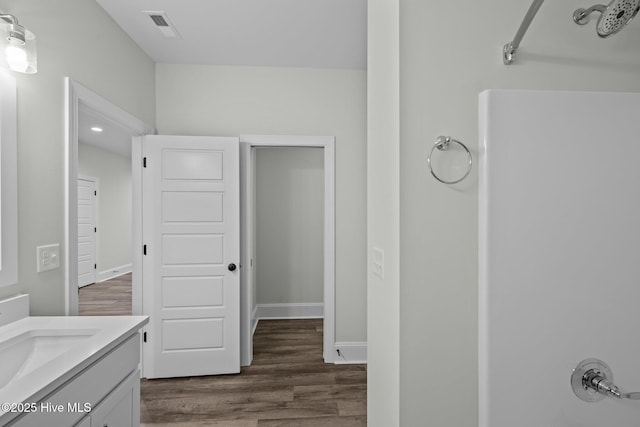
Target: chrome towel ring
[[442, 144]]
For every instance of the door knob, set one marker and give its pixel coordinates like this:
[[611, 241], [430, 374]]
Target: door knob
[[231, 267]]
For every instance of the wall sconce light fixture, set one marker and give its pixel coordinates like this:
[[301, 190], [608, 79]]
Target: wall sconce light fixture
[[17, 46]]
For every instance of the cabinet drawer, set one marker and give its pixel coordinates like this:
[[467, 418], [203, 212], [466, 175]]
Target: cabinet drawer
[[121, 408], [88, 387]]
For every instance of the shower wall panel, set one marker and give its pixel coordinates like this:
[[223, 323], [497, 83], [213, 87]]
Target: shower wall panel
[[559, 254]]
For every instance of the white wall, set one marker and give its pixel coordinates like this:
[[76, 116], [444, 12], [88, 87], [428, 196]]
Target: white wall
[[114, 207], [449, 52], [290, 225], [216, 100], [75, 38], [383, 207]]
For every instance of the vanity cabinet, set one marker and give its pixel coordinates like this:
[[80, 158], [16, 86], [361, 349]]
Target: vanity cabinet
[[105, 393], [121, 408]]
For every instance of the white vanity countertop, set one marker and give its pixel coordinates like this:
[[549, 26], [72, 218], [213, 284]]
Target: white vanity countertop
[[108, 333]]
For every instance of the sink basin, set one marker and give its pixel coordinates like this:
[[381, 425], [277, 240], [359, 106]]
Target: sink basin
[[39, 354], [28, 351]]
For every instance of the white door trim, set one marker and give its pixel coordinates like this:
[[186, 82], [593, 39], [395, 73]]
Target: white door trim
[[75, 94], [328, 144]]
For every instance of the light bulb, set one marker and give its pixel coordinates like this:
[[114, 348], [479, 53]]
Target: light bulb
[[18, 50], [16, 58]]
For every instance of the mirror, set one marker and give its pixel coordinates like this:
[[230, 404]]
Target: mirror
[[8, 181], [86, 109]]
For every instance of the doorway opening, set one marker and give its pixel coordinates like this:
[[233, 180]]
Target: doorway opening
[[251, 309], [82, 107]]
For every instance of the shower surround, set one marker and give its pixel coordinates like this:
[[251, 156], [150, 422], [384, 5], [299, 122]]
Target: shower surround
[[559, 261]]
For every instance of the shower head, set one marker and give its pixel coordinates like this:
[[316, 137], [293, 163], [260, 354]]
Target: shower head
[[612, 17]]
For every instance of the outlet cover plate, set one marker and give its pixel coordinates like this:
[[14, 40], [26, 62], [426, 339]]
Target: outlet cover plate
[[48, 257]]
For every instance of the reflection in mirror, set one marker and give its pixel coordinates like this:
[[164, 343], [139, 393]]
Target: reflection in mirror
[[103, 155], [104, 215], [8, 181]]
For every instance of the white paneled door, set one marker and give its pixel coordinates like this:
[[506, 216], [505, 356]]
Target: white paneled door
[[87, 230], [191, 234]]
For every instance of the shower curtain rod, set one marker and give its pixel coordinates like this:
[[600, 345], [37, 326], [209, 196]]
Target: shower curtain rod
[[510, 49]]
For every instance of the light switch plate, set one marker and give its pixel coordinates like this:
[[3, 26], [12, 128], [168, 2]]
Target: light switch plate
[[377, 264], [48, 257]]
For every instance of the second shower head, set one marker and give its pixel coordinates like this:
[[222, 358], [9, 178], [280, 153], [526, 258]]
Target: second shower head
[[612, 17]]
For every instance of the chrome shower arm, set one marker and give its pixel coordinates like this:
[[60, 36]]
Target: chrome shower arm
[[580, 15], [510, 49]]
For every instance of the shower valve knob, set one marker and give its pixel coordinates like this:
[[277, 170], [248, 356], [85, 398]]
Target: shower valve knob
[[592, 380]]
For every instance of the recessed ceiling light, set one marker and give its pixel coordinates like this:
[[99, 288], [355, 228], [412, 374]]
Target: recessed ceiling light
[[96, 129]]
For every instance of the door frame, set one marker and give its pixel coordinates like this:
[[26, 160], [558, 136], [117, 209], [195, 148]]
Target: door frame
[[327, 143], [96, 219], [75, 93]]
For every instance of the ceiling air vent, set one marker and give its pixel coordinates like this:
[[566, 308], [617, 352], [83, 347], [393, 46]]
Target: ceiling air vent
[[163, 24], [159, 20]]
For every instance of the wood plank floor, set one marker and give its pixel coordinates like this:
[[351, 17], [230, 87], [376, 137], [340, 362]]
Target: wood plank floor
[[287, 385], [108, 298]]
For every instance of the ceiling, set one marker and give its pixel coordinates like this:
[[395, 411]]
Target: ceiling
[[113, 137], [278, 33]]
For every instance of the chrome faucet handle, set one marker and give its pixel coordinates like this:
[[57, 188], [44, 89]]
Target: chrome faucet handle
[[631, 396], [598, 381], [609, 389], [592, 380]]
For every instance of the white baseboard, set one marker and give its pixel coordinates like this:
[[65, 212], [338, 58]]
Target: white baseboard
[[291, 311], [349, 353], [113, 272]]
